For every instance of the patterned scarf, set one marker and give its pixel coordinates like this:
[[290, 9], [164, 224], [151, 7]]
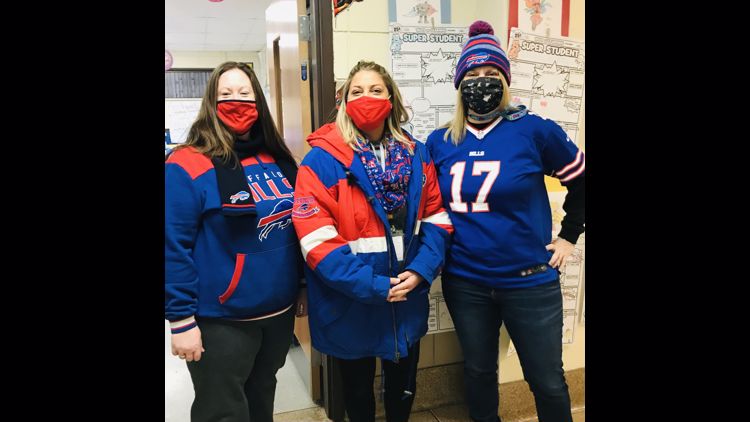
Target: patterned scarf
[[390, 185]]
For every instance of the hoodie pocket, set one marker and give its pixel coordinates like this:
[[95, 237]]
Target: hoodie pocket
[[261, 282], [238, 267]]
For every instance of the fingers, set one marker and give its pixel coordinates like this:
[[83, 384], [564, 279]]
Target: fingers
[[554, 261], [558, 260], [396, 297], [395, 281], [398, 292], [189, 355], [406, 285], [193, 355]]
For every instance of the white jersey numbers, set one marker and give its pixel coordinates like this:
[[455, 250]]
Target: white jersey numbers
[[492, 168]]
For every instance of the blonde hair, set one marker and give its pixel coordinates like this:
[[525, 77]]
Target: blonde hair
[[457, 126], [397, 117]]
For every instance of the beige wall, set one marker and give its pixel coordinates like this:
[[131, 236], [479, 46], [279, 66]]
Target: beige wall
[[361, 32]]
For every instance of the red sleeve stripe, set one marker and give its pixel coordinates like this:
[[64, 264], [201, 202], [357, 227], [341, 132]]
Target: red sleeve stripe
[[579, 158], [182, 323], [575, 174]]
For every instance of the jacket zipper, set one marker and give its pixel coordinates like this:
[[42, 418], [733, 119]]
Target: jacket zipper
[[393, 309], [403, 265], [393, 305]]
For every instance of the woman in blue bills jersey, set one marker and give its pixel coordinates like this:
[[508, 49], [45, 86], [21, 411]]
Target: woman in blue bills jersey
[[502, 266]]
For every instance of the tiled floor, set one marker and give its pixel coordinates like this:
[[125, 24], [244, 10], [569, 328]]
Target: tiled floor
[[291, 396], [454, 413], [291, 393]]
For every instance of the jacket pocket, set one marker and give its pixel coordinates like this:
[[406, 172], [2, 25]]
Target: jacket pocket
[[360, 329], [353, 212], [238, 267], [330, 307]]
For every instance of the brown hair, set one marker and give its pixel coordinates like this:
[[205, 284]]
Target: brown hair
[[211, 137]]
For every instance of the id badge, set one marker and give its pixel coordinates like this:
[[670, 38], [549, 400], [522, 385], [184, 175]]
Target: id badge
[[398, 243]]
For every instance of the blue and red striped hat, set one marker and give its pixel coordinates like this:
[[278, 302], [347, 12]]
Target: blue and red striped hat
[[481, 49]]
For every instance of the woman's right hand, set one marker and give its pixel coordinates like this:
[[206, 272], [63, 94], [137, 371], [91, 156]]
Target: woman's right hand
[[393, 297], [188, 345]]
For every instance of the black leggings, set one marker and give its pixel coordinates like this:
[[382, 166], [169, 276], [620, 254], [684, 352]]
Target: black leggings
[[400, 387]]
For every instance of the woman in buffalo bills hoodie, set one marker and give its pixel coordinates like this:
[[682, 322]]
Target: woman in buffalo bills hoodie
[[233, 263]]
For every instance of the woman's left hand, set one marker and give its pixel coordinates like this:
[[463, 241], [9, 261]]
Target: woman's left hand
[[301, 305], [409, 280], [561, 249]]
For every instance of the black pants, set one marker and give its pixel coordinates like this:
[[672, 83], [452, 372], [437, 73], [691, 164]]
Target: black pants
[[235, 380], [400, 387]]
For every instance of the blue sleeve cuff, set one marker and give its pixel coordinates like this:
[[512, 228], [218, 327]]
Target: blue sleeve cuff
[[183, 325], [382, 286], [422, 270]]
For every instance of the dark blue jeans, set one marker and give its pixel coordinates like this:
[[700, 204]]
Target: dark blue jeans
[[533, 317]]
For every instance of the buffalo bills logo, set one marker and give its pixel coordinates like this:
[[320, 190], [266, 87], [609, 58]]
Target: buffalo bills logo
[[279, 218], [239, 196], [305, 207], [477, 58]]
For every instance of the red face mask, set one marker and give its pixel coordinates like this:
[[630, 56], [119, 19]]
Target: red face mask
[[238, 115], [367, 112]]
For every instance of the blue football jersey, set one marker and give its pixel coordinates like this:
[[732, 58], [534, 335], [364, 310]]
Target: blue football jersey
[[493, 189]]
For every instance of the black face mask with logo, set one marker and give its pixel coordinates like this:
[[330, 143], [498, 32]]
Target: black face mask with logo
[[482, 95]]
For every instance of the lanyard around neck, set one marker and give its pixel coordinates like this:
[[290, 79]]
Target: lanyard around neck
[[379, 152]]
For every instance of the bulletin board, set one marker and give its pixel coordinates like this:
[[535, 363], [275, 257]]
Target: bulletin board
[[179, 115]]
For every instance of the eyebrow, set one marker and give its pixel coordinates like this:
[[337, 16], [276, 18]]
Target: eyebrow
[[371, 86], [227, 88]]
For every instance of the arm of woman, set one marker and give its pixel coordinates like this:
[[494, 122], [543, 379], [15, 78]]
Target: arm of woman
[[563, 160], [325, 251], [182, 213], [435, 230]]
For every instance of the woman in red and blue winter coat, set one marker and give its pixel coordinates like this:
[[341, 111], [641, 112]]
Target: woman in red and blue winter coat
[[373, 231]]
